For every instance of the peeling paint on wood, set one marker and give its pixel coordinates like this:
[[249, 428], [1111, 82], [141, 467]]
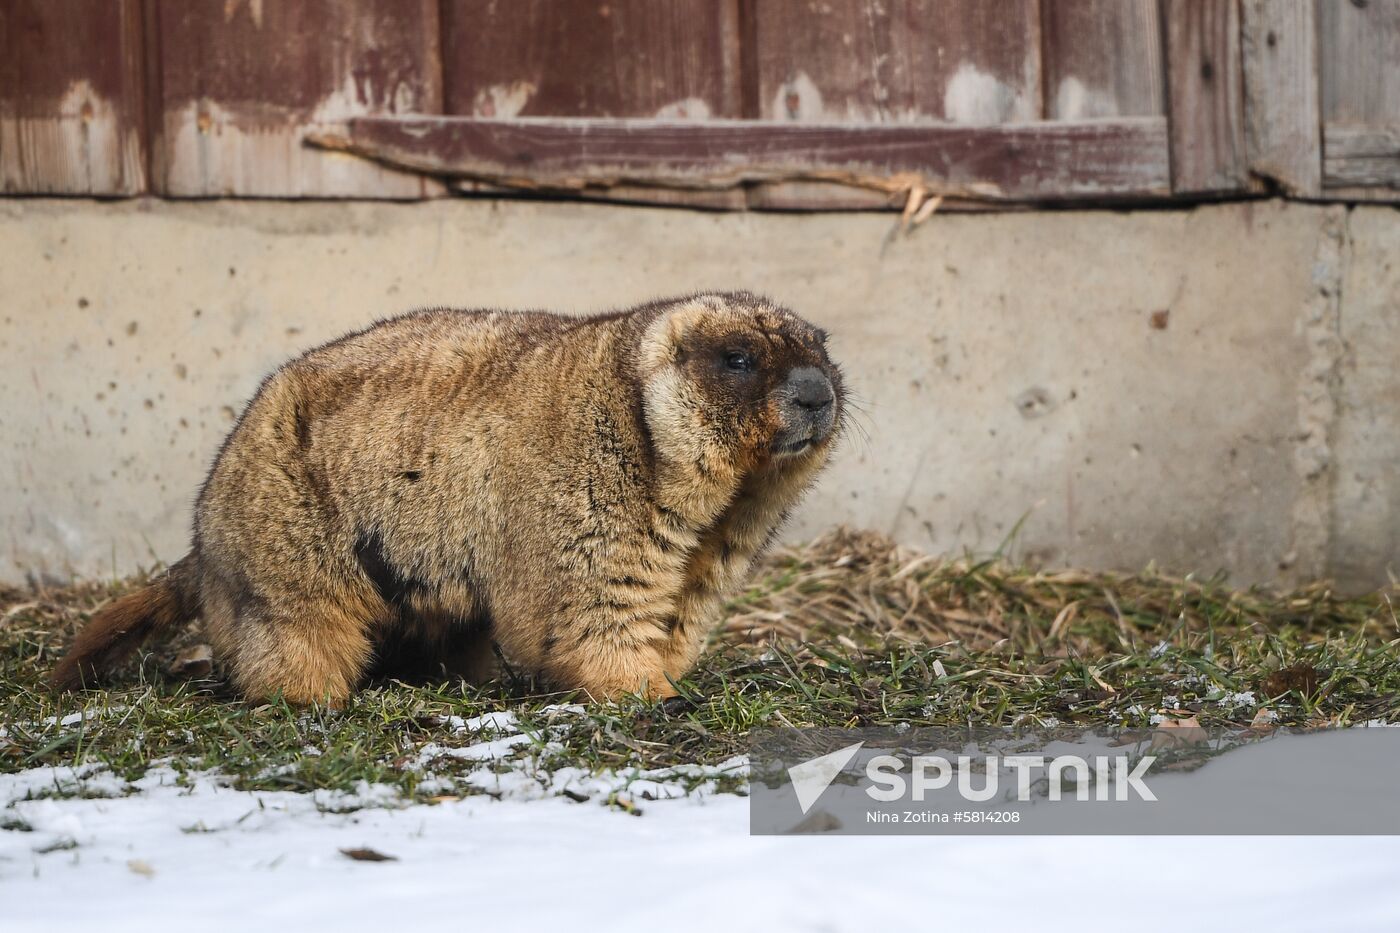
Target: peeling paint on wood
[[1103, 58], [677, 60], [619, 58], [117, 97], [242, 82], [71, 97], [898, 61], [892, 61]]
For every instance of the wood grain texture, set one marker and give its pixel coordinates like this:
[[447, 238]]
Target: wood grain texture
[[1363, 156], [889, 61], [242, 81], [1049, 161], [1358, 47], [1205, 97], [1103, 58], [590, 58], [1283, 121], [71, 105], [1359, 58], [676, 60], [964, 61]]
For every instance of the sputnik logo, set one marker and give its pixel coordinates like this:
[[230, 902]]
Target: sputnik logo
[[810, 778]]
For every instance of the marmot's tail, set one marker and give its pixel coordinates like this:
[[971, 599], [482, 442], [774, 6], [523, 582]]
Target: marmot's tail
[[120, 627]]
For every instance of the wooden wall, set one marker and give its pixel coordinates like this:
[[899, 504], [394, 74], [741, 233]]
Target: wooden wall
[[211, 98], [236, 84], [71, 98], [1359, 62]]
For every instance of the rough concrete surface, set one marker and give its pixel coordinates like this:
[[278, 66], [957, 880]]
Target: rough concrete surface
[[1365, 523], [1205, 389]]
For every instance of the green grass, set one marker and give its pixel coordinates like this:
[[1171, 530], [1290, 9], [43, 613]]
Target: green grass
[[848, 631]]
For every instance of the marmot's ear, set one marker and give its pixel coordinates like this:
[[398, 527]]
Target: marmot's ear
[[664, 342]]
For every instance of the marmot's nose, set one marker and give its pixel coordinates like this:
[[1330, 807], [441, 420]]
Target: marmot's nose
[[810, 389]]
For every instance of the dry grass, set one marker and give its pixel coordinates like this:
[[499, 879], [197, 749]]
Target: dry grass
[[859, 586]]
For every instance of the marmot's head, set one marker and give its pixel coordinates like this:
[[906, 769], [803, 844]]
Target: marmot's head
[[733, 378]]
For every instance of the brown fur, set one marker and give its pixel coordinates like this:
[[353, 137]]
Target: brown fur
[[584, 492], [120, 628]]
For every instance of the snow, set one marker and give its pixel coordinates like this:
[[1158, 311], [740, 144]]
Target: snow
[[215, 858], [1243, 698], [646, 850]]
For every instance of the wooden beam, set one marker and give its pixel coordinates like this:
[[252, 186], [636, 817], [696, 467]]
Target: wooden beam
[[1283, 121], [596, 58], [1205, 96], [1101, 159]]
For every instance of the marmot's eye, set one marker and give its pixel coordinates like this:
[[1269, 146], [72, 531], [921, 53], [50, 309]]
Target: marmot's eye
[[738, 362]]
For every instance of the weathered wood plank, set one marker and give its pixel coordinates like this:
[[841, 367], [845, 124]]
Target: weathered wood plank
[[1103, 58], [241, 83], [1044, 161], [964, 61], [1366, 156], [1205, 96], [677, 60], [1282, 114], [71, 107], [1358, 46], [1358, 55], [889, 61], [590, 58]]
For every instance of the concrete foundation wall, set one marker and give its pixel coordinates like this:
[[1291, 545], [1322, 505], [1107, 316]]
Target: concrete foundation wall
[[1205, 389]]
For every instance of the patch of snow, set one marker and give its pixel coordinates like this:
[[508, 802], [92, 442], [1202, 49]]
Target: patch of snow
[[493, 750], [1242, 698], [364, 796], [72, 719], [194, 848], [504, 723]]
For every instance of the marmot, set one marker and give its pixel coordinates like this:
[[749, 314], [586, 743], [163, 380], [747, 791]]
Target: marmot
[[583, 492]]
